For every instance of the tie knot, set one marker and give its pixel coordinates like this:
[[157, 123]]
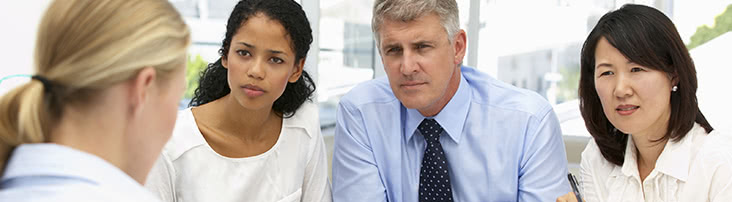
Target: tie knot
[[431, 130]]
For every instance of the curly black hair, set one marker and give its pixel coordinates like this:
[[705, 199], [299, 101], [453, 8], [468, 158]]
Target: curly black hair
[[213, 81]]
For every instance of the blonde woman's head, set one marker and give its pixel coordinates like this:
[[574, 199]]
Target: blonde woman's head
[[89, 48]]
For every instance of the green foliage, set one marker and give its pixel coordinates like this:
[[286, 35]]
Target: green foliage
[[195, 67], [704, 33]]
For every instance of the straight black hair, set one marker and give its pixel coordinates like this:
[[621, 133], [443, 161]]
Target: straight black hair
[[647, 37]]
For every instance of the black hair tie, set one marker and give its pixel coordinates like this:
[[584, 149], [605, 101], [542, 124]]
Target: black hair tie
[[47, 84]]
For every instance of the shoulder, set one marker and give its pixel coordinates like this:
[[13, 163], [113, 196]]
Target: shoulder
[[591, 152], [186, 136], [306, 118], [715, 150], [592, 158], [71, 192], [372, 91], [496, 94], [713, 162]]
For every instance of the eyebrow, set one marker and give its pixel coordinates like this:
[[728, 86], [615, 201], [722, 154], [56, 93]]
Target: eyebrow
[[603, 65], [394, 45], [269, 50], [390, 46], [610, 65], [423, 42]]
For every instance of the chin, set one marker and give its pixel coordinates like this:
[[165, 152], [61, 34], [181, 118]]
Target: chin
[[412, 102], [411, 105], [252, 103], [626, 128]]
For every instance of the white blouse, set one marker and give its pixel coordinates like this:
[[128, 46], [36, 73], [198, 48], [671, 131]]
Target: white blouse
[[697, 168], [294, 169]]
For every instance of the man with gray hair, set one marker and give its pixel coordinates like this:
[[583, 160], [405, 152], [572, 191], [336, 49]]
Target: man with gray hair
[[435, 130]]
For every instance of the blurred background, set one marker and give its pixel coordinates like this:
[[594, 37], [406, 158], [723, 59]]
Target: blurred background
[[531, 44]]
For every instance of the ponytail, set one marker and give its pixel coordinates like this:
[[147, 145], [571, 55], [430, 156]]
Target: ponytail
[[79, 60], [23, 119]]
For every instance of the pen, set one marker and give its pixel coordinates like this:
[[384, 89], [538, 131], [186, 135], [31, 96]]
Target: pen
[[573, 182]]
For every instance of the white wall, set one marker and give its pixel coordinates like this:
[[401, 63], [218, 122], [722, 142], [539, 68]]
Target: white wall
[[19, 22]]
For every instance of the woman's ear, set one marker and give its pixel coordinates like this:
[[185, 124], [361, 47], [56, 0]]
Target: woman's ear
[[224, 62], [139, 88], [674, 79], [297, 71]]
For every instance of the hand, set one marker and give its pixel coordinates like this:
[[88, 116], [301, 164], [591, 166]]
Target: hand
[[569, 197]]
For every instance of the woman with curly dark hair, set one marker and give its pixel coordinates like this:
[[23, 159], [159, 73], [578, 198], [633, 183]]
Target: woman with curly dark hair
[[252, 132]]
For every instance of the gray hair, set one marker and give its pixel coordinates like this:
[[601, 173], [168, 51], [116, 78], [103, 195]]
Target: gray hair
[[408, 10]]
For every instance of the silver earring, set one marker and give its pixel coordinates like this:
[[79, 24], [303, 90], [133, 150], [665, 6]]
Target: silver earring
[[675, 88]]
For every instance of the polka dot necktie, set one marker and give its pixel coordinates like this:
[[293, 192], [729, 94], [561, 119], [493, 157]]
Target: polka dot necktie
[[434, 180]]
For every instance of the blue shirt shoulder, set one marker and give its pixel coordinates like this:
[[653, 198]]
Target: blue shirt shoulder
[[490, 91], [372, 91]]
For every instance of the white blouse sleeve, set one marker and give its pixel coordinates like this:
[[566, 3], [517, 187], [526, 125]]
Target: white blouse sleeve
[[588, 175], [721, 161], [721, 189], [160, 179], [315, 183]]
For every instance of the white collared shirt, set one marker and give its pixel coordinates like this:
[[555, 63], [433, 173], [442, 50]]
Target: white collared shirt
[[51, 172], [294, 169], [697, 168]]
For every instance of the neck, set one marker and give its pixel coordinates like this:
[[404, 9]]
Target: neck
[[100, 133], [646, 141], [452, 88], [648, 150], [249, 124]]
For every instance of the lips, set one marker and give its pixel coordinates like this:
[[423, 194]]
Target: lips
[[412, 84], [626, 109], [252, 90]]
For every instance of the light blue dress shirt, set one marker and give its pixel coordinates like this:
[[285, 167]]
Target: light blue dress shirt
[[502, 144], [51, 172]]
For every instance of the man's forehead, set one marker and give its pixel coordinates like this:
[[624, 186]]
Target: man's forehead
[[427, 18], [401, 38], [411, 31]]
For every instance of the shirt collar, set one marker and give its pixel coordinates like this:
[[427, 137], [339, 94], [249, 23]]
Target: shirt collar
[[676, 156], [451, 117], [674, 159], [61, 161], [630, 166]]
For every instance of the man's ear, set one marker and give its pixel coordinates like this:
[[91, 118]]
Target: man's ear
[[460, 45], [139, 88], [297, 71]]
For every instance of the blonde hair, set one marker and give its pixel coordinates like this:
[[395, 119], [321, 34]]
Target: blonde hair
[[85, 46]]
